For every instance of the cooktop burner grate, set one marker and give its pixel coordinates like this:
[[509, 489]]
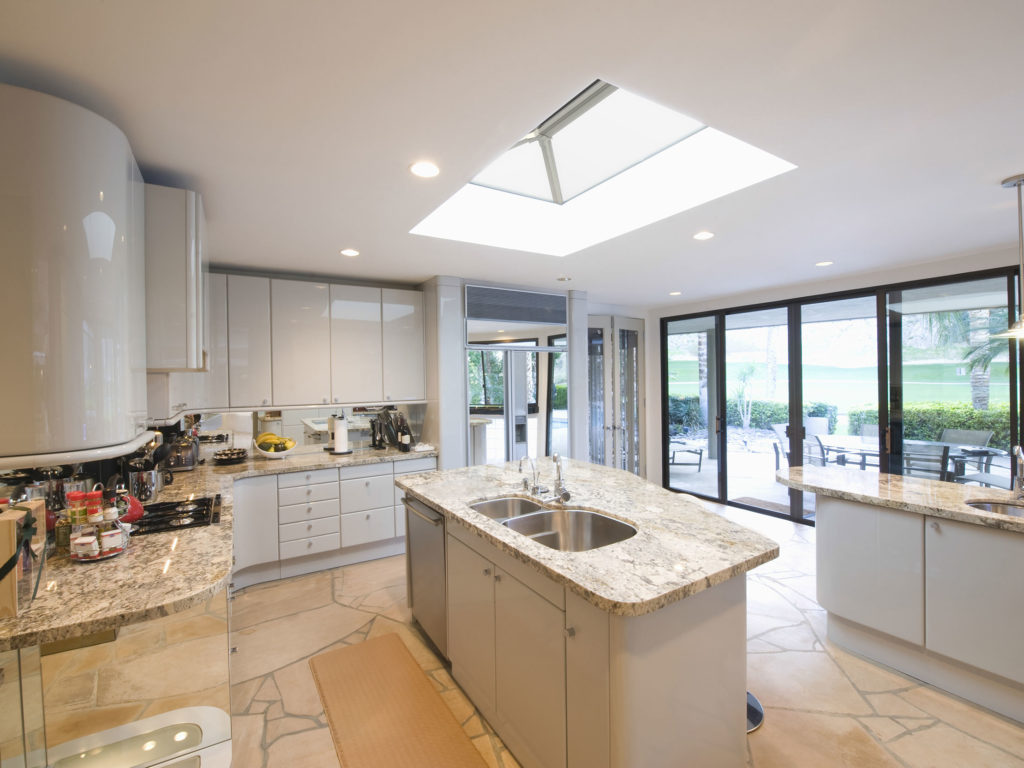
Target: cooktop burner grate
[[175, 515]]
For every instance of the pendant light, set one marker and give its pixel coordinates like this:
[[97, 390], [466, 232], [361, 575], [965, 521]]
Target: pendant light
[[1016, 331]]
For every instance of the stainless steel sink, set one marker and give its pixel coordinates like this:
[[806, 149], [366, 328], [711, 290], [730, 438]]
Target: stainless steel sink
[[1014, 509], [571, 530], [509, 506]]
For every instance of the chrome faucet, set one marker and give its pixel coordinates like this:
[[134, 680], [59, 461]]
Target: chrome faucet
[[1018, 452], [560, 490], [535, 488]]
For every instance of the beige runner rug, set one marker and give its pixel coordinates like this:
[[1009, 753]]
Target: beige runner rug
[[384, 712]]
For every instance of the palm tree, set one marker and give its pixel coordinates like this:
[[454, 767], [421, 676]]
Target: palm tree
[[976, 328]]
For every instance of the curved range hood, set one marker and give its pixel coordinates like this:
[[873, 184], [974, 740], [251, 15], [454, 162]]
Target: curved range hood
[[72, 249]]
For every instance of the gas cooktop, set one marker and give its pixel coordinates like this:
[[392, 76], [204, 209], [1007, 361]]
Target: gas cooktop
[[174, 515]]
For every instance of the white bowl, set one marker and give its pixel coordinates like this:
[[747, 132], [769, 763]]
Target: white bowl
[[269, 455]]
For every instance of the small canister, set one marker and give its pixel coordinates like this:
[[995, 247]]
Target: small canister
[[93, 505], [112, 541], [86, 546], [110, 514], [62, 534], [76, 507]]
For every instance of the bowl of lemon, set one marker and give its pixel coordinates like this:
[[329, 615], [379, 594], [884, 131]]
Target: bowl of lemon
[[272, 446]]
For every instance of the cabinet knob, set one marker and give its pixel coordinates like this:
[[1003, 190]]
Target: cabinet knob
[[389, 397], [308, 510], [497, 577], [367, 517], [309, 544], [935, 526], [309, 491], [308, 476], [264, 401], [309, 526], [367, 483], [487, 571], [570, 632], [326, 400]]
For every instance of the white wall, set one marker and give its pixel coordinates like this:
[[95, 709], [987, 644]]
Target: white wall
[[973, 262]]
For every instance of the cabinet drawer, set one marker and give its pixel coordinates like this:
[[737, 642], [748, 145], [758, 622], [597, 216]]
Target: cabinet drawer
[[295, 513], [366, 470], [364, 527], [408, 466], [310, 477], [300, 547], [367, 493], [307, 493], [307, 529]]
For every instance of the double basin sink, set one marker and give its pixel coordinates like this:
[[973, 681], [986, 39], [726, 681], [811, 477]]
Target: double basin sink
[[566, 530]]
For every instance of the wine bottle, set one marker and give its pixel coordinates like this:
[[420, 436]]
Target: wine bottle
[[404, 434]]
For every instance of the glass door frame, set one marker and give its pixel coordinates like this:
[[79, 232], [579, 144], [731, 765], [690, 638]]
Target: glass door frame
[[887, 399], [610, 326]]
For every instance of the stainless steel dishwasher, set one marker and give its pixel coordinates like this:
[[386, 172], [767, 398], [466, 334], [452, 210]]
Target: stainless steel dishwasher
[[425, 570]]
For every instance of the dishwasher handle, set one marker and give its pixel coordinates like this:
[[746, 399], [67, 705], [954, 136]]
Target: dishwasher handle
[[422, 511]]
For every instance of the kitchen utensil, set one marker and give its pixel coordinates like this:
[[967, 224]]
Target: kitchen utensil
[[146, 485]]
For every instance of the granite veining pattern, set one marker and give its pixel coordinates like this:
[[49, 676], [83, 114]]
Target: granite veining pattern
[[679, 550], [911, 494], [160, 573]]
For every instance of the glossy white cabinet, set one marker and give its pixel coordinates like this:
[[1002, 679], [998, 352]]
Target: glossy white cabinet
[[529, 672], [870, 566], [402, 340], [300, 342], [254, 524], [249, 359], [975, 595], [214, 385], [74, 287], [355, 344], [175, 227], [471, 623]]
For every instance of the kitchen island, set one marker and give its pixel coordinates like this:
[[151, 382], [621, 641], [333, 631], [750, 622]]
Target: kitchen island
[[914, 578], [629, 654]]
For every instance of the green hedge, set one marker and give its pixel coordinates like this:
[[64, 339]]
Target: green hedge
[[561, 399], [685, 412], [925, 421]]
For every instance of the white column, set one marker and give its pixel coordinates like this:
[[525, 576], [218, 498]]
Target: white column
[[446, 422], [579, 446]]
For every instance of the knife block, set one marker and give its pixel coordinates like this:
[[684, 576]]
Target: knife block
[[18, 580]]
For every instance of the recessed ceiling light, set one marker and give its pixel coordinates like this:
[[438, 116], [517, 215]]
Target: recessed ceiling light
[[349, 252], [564, 279], [823, 264], [675, 293], [703, 235], [424, 169]]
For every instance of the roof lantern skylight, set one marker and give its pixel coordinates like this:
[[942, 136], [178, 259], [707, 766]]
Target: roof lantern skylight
[[606, 163]]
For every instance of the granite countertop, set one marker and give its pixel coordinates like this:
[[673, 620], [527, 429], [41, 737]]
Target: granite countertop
[[911, 494], [161, 573], [679, 550]]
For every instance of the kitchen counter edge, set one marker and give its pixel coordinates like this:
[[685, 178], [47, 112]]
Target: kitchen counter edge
[[156, 577]]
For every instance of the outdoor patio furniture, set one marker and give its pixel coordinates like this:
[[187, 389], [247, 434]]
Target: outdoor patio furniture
[[993, 470], [813, 452], [677, 448], [979, 437], [927, 460]]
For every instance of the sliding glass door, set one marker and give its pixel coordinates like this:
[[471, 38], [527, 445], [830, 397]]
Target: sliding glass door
[[906, 379]]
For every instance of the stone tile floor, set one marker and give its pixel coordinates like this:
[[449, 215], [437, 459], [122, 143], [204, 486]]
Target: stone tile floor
[[824, 707]]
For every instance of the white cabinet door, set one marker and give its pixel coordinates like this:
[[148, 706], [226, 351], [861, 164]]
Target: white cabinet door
[[215, 381], [300, 342], [587, 683], [249, 341], [471, 623], [871, 566], [355, 344], [402, 316], [529, 672], [975, 595], [255, 521], [174, 279]]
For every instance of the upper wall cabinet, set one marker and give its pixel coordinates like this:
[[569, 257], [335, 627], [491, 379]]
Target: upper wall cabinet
[[215, 384], [248, 320], [402, 316], [355, 344], [175, 228], [300, 342]]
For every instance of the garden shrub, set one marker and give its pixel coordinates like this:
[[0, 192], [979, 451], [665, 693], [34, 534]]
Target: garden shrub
[[925, 421], [684, 412]]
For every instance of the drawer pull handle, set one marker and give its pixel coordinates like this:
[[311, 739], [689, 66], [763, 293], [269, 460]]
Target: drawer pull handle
[[308, 510], [309, 544], [367, 517], [570, 632], [497, 577], [487, 571], [309, 491], [367, 483], [308, 476], [309, 526]]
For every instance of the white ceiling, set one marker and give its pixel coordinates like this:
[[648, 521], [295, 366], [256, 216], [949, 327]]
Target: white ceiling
[[298, 120]]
